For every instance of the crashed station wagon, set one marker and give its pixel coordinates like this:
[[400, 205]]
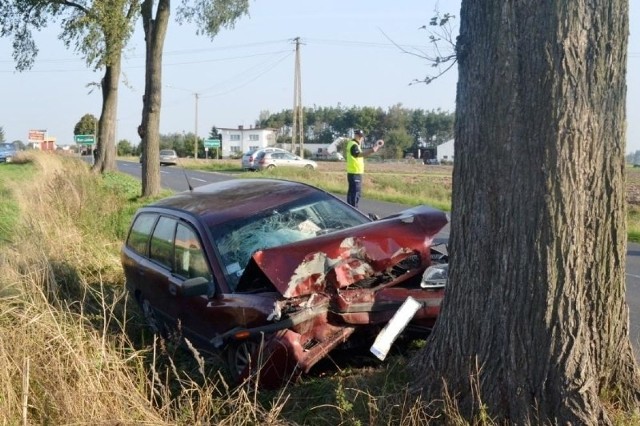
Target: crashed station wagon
[[276, 274]]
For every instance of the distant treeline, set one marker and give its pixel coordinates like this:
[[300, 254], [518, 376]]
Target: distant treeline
[[403, 129]]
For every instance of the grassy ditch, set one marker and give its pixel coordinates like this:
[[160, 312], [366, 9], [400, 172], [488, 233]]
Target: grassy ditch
[[74, 349]]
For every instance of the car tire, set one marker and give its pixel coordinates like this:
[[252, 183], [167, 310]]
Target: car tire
[[308, 167], [271, 166], [240, 356]]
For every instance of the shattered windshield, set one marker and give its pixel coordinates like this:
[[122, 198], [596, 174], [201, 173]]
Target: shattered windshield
[[238, 240]]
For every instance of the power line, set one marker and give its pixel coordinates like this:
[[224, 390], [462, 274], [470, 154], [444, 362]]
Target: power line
[[249, 81]]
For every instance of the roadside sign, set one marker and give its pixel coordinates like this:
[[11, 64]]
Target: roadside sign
[[212, 143], [85, 139], [36, 135]]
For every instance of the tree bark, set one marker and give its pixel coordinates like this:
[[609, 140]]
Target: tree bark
[[106, 160], [534, 324], [155, 31]]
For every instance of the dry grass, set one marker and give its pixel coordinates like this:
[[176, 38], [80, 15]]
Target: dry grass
[[73, 350], [67, 352]]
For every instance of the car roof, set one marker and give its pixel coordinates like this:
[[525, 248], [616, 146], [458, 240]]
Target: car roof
[[265, 149], [220, 202]]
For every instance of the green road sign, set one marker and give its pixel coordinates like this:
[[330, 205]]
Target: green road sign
[[85, 139], [212, 143]]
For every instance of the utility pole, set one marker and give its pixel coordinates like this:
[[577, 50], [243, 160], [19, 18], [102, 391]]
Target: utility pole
[[195, 142], [298, 127]]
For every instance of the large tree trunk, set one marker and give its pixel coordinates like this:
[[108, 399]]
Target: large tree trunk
[[155, 31], [534, 325], [106, 159]]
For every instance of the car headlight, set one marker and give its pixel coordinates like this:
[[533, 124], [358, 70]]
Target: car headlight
[[435, 276]]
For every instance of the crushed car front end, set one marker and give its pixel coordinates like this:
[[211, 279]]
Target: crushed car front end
[[341, 284]]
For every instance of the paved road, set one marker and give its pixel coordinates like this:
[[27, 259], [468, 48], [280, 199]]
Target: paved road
[[176, 178]]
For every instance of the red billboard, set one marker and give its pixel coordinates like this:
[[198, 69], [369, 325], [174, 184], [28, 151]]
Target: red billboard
[[36, 135]]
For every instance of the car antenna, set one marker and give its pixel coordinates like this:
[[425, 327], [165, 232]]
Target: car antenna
[[186, 177]]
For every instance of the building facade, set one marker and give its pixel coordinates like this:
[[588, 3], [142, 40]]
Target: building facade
[[236, 141]]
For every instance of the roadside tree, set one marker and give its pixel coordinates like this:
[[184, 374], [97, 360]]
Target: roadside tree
[[86, 126], [534, 325], [396, 143], [125, 147], [210, 16], [98, 30]]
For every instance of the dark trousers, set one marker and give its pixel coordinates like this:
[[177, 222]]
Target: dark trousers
[[355, 189]]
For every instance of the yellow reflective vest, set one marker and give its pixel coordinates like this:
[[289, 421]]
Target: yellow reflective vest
[[355, 165]]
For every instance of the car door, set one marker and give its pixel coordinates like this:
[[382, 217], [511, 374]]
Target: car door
[[204, 317], [289, 160], [161, 286], [277, 159]]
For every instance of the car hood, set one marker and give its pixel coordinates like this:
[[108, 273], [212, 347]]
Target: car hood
[[348, 256]]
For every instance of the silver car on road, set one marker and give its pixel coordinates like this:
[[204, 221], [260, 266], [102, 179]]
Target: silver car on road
[[270, 160]]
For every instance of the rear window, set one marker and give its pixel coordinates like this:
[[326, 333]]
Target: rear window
[[161, 249], [138, 240]]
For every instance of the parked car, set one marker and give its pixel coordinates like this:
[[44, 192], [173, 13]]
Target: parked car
[[167, 157], [275, 274], [268, 160], [248, 161], [7, 152]]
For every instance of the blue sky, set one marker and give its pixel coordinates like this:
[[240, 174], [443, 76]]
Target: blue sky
[[346, 56]]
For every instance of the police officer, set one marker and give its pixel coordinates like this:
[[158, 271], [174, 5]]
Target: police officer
[[355, 165]]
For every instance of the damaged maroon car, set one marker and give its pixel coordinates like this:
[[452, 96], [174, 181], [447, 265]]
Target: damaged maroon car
[[276, 274]]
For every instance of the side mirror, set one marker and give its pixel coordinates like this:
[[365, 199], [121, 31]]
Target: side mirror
[[374, 216], [198, 286]]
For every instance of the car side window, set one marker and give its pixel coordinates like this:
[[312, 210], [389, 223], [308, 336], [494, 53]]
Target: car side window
[[161, 248], [190, 259], [140, 231]]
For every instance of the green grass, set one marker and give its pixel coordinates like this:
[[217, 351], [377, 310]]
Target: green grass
[[633, 224], [10, 175], [411, 188]]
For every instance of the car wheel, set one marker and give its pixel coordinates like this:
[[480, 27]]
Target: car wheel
[[155, 325], [240, 356], [308, 167], [271, 166]]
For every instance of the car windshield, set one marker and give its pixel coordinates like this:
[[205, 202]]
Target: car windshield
[[238, 240], [7, 147]]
